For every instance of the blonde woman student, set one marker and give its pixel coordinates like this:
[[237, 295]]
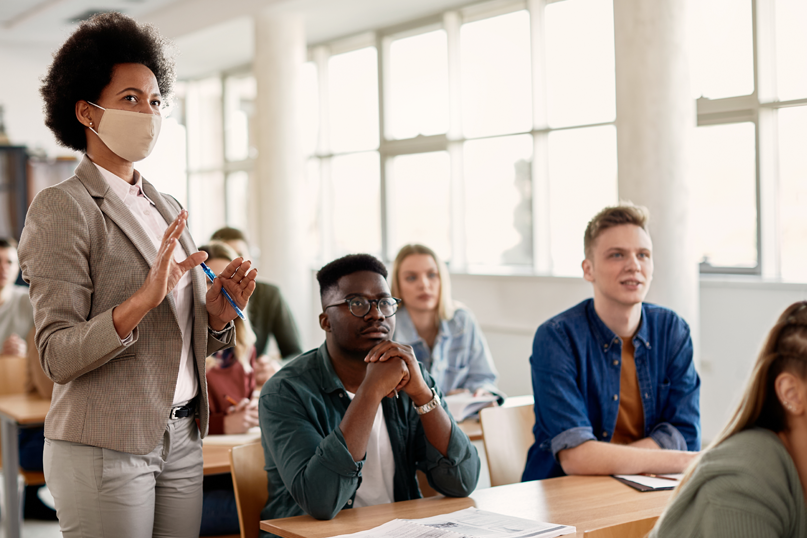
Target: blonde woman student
[[751, 481], [443, 333]]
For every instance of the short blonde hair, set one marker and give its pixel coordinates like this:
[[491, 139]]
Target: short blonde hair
[[624, 213], [445, 304]]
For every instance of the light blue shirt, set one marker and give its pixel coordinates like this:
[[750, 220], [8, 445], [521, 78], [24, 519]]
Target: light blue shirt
[[460, 358]]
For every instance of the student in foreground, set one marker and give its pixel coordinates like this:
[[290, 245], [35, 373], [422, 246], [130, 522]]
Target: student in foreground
[[751, 480], [615, 388], [347, 425]]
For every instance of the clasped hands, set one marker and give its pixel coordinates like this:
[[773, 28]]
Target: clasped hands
[[391, 368], [238, 278]]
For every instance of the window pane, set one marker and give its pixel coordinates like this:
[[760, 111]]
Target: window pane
[[313, 209], [724, 195], [353, 100], [310, 106], [793, 192], [791, 49], [238, 200], [356, 204], [205, 207], [204, 124], [722, 53], [166, 167], [583, 180], [420, 202], [496, 75], [239, 109], [580, 62], [418, 86], [498, 200]]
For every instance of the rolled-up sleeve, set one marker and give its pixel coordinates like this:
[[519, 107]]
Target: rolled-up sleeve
[[455, 474], [316, 467]]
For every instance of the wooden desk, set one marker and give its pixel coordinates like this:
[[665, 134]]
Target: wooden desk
[[15, 411], [472, 428], [587, 502]]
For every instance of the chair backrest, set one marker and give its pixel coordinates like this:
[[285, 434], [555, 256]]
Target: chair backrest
[[632, 529], [507, 433], [250, 484], [13, 373]]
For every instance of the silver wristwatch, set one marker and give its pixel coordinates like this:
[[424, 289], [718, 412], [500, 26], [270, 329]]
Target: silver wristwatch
[[425, 408]]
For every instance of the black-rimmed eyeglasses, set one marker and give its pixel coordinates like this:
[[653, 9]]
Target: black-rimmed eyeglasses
[[360, 306]]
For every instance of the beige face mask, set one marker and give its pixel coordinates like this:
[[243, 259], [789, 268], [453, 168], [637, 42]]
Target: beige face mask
[[129, 135]]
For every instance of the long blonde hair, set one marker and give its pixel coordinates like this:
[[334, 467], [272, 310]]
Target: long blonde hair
[[445, 304], [785, 350], [244, 336]]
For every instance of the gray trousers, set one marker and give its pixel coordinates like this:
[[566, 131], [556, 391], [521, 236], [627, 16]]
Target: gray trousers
[[104, 493]]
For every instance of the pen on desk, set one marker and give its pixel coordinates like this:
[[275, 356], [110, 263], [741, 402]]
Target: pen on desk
[[662, 477], [211, 275]]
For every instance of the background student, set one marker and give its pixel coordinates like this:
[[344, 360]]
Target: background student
[[268, 313], [752, 480], [230, 376], [444, 335], [16, 313]]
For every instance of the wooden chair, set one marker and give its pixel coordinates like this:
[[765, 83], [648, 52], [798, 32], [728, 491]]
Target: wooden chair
[[632, 529], [507, 433], [250, 484]]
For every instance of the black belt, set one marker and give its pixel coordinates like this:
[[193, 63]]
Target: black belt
[[182, 411]]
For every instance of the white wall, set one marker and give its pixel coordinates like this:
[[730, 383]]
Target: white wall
[[21, 68], [735, 316]]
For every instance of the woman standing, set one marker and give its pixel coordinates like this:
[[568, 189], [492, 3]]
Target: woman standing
[[123, 317], [443, 333], [752, 480]]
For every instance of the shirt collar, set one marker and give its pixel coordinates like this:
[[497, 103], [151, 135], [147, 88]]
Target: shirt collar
[[405, 332], [329, 381], [123, 188], [606, 337]]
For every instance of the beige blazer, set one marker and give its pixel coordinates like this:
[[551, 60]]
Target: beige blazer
[[83, 253]]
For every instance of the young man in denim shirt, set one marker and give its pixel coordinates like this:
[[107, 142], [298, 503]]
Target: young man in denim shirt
[[347, 425], [616, 391]]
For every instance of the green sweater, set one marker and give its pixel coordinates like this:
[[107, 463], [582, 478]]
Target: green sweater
[[746, 487]]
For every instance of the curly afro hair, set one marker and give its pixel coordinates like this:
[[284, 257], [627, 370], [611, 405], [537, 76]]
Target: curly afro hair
[[83, 67], [328, 277]]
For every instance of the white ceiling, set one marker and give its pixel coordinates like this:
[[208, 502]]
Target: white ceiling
[[211, 35]]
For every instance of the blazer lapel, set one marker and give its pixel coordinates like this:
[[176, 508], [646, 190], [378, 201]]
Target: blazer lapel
[[114, 208]]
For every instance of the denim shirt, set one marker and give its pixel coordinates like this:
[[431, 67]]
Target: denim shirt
[[309, 467], [576, 364], [460, 358]]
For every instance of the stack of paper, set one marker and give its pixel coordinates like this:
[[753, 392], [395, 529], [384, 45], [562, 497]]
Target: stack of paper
[[465, 404], [468, 523]]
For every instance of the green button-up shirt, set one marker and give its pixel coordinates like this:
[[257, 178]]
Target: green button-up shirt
[[309, 467]]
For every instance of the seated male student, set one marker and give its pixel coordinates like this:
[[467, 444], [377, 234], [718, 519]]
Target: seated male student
[[335, 434], [615, 388]]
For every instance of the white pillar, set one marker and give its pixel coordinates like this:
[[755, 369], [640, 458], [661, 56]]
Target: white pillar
[[655, 118], [277, 187]]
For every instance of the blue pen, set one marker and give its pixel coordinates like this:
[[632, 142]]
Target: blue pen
[[211, 275]]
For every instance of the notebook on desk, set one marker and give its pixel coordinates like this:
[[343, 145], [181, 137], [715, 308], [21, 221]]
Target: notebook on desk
[[648, 482]]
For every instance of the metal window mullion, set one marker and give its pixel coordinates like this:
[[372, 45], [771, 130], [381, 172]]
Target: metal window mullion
[[224, 137], [541, 224], [454, 141], [382, 58]]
